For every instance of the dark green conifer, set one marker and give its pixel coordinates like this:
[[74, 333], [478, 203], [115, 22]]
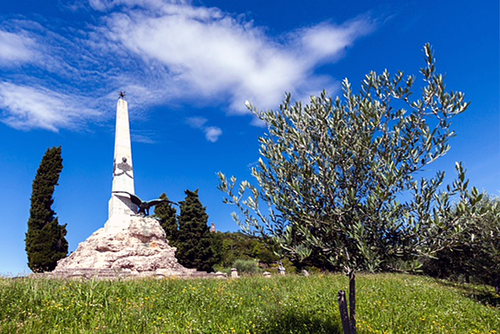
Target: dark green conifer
[[194, 246], [167, 215], [45, 239]]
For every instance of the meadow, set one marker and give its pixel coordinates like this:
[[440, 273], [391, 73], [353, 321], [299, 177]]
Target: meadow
[[386, 303]]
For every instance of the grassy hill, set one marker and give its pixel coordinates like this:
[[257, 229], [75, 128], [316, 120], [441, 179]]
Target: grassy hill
[[387, 303]]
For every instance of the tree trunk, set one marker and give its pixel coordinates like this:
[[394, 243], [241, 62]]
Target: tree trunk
[[344, 316], [352, 302], [348, 317], [496, 284]]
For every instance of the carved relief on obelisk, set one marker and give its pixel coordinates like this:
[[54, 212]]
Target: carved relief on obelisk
[[120, 206]]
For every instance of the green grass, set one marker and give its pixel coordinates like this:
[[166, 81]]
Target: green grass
[[387, 303]]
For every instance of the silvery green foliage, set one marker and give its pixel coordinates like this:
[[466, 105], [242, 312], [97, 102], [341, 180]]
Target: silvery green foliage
[[340, 176], [476, 255]]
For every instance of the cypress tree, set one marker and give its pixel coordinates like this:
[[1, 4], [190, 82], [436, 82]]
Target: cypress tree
[[194, 246], [45, 239], [167, 215]]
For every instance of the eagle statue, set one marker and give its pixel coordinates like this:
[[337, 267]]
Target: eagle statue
[[144, 206]]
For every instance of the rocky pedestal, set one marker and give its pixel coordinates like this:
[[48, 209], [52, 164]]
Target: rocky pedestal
[[140, 249]]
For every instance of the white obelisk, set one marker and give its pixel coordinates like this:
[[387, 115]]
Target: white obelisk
[[120, 205]]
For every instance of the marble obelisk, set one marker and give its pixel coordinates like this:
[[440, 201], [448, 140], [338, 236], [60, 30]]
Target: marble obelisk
[[129, 245], [120, 206]]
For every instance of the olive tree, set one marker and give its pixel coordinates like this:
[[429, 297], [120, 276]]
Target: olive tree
[[476, 255], [347, 177]]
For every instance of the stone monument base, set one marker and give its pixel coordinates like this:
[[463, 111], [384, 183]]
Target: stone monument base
[[139, 250]]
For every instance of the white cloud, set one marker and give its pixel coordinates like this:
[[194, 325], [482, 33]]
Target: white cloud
[[104, 5], [37, 107], [196, 122], [161, 51], [16, 48], [213, 56], [212, 133], [326, 42], [142, 138]]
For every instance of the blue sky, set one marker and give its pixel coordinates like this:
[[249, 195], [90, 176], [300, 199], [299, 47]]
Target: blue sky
[[187, 68]]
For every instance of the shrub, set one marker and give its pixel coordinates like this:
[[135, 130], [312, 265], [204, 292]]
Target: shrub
[[246, 266]]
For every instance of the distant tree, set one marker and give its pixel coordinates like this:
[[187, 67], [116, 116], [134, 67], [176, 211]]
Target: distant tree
[[167, 215], [475, 257], [194, 243], [45, 239], [233, 246]]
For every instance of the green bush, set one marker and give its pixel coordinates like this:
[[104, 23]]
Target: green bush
[[289, 266], [313, 270], [246, 266], [475, 257]]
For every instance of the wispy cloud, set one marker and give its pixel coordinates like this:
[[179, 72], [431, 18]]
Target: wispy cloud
[[27, 107], [162, 52], [212, 133], [144, 138], [104, 5], [16, 49], [196, 122], [213, 55]]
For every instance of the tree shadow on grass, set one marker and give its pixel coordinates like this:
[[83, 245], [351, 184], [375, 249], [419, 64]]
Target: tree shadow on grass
[[480, 295], [300, 323]]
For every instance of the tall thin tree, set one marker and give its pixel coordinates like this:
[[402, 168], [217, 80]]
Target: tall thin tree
[[194, 246], [45, 239], [167, 215]]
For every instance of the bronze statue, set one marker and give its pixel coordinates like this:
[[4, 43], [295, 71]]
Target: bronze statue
[[122, 94], [144, 206]]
